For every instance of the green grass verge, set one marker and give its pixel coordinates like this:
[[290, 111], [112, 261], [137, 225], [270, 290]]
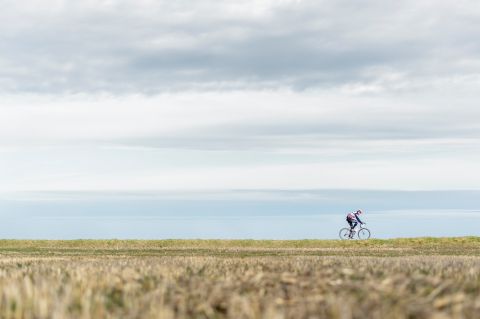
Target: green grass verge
[[244, 248]]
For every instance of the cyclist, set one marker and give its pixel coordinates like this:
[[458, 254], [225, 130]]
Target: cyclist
[[353, 220]]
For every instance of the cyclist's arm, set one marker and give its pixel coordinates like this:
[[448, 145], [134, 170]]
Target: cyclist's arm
[[358, 219]]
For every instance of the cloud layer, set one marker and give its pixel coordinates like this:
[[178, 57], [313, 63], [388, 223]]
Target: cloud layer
[[148, 95], [238, 140], [156, 46], [240, 120]]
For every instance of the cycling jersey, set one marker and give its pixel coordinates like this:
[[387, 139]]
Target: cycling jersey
[[354, 216]]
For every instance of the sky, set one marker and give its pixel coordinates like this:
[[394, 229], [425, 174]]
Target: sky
[[287, 108]]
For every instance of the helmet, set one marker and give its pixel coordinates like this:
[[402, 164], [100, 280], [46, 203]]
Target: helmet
[[359, 212]]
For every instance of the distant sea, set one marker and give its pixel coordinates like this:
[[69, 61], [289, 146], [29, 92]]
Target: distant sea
[[273, 215]]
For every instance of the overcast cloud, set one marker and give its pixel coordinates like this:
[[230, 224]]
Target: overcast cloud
[[156, 46], [160, 95]]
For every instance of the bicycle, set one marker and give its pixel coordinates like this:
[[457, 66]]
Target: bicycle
[[349, 233]]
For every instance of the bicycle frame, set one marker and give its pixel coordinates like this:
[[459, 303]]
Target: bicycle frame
[[358, 227]]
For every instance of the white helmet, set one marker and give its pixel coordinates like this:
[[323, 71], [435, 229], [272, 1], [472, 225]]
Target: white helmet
[[359, 212]]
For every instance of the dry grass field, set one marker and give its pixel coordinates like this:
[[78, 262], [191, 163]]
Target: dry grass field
[[405, 278]]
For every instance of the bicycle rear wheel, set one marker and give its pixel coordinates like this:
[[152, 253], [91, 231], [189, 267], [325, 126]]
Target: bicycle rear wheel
[[344, 233], [363, 233]]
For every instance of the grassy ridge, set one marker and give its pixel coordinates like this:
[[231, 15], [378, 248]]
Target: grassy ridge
[[225, 243], [374, 247]]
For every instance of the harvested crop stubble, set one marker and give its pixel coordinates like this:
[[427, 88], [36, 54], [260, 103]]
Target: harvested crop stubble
[[260, 287]]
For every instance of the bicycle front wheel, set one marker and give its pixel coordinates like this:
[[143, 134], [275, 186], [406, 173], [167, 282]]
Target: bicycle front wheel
[[363, 233], [344, 233]]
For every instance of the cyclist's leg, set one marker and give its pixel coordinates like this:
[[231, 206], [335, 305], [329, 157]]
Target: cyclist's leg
[[352, 230], [352, 226], [350, 222]]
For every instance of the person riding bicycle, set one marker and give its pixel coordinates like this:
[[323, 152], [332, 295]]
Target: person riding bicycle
[[353, 219]]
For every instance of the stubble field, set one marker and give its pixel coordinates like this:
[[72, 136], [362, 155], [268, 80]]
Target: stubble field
[[415, 278]]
